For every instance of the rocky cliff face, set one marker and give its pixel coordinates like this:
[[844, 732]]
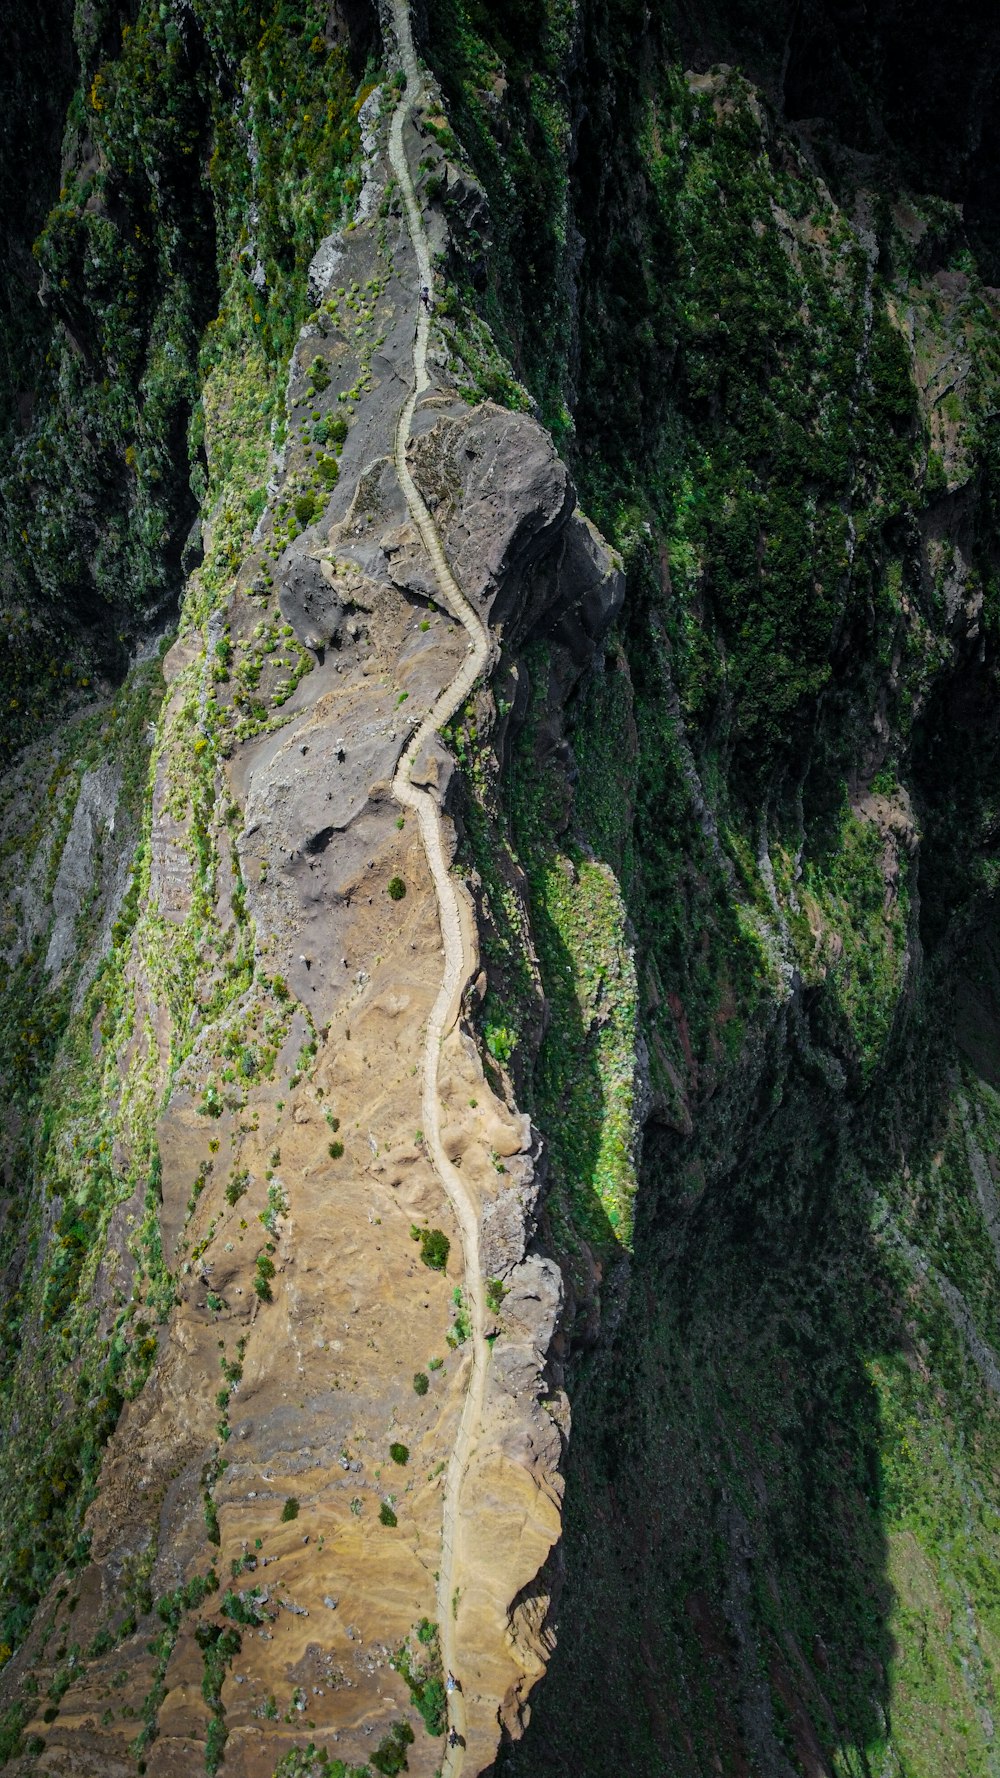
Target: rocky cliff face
[[704, 1420]]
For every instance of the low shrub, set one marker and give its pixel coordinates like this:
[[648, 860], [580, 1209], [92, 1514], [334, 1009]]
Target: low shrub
[[215, 1742], [434, 1248], [241, 1610], [425, 1681], [238, 1186], [495, 1293], [390, 1754]]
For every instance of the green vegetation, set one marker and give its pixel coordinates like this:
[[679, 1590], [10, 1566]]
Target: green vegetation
[[396, 888], [461, 1327], [312, 1762], [500, 1040], [150, 225], [584, 1077], [263, 1273], [242, 1608], [399, 1454], [526, 178], [434, 1247], [68, 1116], [218, 1649], [843, 898], [390, 1755], [580, 1088], [421, 1668], [290, 1510]]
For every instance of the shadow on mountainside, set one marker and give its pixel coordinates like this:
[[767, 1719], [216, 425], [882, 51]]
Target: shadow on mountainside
[[779, 1464], [737, 1491], [726, 1595], [780, 1458]]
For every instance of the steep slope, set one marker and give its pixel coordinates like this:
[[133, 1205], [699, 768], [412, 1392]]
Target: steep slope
[[471, 975], [774, 371], [289, 1040]]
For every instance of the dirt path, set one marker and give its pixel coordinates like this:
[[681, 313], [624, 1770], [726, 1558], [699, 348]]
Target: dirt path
[[458, 959]]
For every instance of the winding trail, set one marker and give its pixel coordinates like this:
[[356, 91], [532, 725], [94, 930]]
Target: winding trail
[[459, 960]]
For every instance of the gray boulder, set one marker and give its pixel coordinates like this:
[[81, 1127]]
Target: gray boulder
[[310, 602]]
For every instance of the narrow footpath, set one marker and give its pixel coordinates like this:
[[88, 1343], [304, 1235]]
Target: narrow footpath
[[458, 961]]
